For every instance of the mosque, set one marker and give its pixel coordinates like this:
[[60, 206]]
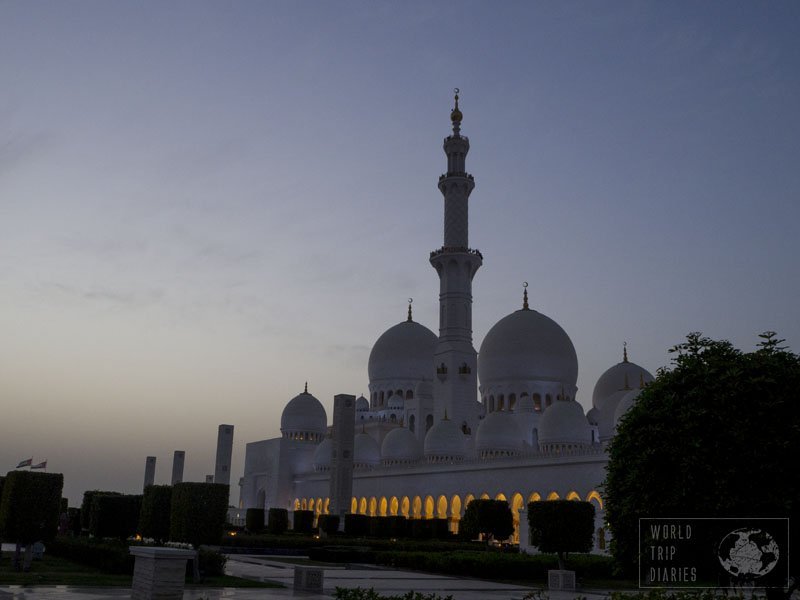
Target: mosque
[[444, 424]]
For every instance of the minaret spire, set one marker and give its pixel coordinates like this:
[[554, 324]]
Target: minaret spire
[[456, 386], [625, 352], [409, 319], [525, 296]]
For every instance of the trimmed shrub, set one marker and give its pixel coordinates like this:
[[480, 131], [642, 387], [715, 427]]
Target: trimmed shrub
[[109, 556], [156, 509], [29, 506], [561, 526], [86, 506], [114, 516], [212, 563], [491, 518], [356, 525], [278, 521], [303, 521], [63, 506], [74, 516], [198, 512], [329, 524], [254, 520]]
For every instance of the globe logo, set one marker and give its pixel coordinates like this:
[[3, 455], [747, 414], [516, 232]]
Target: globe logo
[[748, 553]]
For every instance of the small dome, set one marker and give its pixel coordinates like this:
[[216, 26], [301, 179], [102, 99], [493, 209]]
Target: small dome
[[527, 345], [400, 445], [564, 423], [499, 434], [395, 402], [366, 452], [322, 455], [593, 416], [362, 404], [605, 415], [444, 442], [404, 351], [304, 413], [625, 403], [621, 375]]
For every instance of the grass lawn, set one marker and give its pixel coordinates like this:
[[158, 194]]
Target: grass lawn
[[60, 571]]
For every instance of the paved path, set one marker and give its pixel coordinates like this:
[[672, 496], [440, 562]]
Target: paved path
[[385, 581]]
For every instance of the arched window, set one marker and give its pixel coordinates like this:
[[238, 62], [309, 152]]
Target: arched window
[[594, 496], [428, 507], [534, 497], [394, 505], [354, 505], [573, 495], [383, 507], [512, 401], [501, 402], [373, 506], [428, 423], [553, 496], [441, 508], [409, 394], [362, 506], [405, 505], [517, 503], [417, 507]]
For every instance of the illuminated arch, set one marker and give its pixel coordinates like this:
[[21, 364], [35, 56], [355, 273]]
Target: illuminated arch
[[594, 496], [417, 508], [501, 496], [362, 506], [373, 505], [393, 506], [553, 496], [485, 496], [455, 507], [354, 505], [312, 504], [304, 504], [517, 503], [534, 497], [382, 507], [327, 506], [428, 507], [573, 495], [405, 505], [441, 508], [467, 499], [297, 503]]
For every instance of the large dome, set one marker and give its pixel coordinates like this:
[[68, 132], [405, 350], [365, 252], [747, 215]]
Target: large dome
[[564, 423], [366, 452], [400, 446], [622, 375], [304, 414], [625, 403], [444, 442], [527, 345], [499, 435], [404, 351]]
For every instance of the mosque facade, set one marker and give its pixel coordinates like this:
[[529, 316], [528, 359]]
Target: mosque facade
[[444, 423]]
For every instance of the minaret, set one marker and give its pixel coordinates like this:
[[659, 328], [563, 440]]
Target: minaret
[[456, 384]]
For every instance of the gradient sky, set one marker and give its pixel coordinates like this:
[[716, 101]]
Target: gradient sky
[[205, 204]]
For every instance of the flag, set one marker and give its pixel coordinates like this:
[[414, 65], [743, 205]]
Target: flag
[[41, 465], [25, 463]]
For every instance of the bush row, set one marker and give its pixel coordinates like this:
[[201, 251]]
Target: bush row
[[111, 556]]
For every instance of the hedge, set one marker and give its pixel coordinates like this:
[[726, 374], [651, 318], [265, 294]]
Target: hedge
[[155, 513], [115, 516], [74, 515], [303, 521], [356, 525], [329, 524], [86, 506], [254, 520], [29, 506], [198, 512], [278, 521], [561, 526]]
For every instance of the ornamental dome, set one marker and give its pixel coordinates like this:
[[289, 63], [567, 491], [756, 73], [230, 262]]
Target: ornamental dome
[[304, 413], [622, 375], [366, 452], [499, 435], [400, 446], [362, 404], [404, 351], [322, 455], [395, 402], [563, 423], [444, 442], [625, 403], [593, 416], [527, 345]]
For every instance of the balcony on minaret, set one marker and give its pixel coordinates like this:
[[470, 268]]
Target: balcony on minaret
[[444, 176], [456, 250]]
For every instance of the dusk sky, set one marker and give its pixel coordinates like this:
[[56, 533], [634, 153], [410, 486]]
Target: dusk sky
[[205, 204]]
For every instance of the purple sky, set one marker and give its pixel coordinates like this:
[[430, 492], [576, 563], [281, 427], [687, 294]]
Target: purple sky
[[205, 204]]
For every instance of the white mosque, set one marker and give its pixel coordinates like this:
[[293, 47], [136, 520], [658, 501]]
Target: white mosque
[[424, 445]]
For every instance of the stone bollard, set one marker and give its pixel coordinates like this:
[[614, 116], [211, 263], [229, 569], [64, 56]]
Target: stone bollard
[[159, 573], [561, 580], [308, 579]]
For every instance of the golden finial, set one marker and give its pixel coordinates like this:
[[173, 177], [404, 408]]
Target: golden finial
[[525, 295], [455, 114], [410, 300], [624, 351], [641, 381], [305, 389]]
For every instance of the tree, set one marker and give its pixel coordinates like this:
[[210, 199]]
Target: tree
[[492, 518], [29, 510], [198, 512], [717, 435], [561, 526]]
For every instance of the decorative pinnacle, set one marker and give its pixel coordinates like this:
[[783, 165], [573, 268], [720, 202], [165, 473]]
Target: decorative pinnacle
[[625, 352], [525, 295], [455, 114], [410, 300], [305, 389]]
